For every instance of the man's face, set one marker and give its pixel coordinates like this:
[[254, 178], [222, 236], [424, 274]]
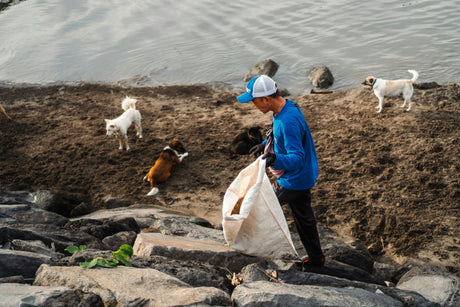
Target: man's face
[[262, 104]]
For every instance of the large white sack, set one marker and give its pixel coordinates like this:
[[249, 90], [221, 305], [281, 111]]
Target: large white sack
[[259, 227]]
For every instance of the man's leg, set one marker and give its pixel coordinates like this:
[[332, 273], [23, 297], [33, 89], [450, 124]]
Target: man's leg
[[304, 219], [305, 222]]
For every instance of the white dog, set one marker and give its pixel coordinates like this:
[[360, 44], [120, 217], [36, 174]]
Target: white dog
[[384, 88], [119, 126]]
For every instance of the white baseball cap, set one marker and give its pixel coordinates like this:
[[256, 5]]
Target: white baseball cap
[[259, 86]]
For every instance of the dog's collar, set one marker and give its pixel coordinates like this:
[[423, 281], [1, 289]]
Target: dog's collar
[[375, 80], [167, 147]]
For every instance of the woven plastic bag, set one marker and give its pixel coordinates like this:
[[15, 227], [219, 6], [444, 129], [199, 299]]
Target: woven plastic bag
[[253, 221]]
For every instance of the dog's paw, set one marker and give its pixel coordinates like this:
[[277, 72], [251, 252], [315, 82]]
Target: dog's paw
[[182, 156], [145, 178], [153, 191]]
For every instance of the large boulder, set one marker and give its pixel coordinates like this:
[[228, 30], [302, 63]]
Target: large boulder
[[176, 247], [291, 274], [321, 77], [104, 228], [167, 222], [13, 295], [35, 246], [21, 263], [433, 283], [283, 272], [59, 202], [266, 67], [188, 227], [27, 214], [144, 216], [190, 271], [52, 236], [114, 242], [125, 286], [15, 194], [193, 272], [263, 293], [346, 254]]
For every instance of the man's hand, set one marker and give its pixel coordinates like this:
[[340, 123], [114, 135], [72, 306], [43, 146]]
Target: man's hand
[[271, 158], [257, 150]]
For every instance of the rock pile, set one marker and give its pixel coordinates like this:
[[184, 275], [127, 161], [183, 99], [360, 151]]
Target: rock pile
[[182, 261]]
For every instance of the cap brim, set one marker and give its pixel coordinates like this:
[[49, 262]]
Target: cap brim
[[246, 97]]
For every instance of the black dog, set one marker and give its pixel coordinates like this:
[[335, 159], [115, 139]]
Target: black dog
[[245, 141]]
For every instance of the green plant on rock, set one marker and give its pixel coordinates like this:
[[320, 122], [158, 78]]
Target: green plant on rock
[[119, 257]]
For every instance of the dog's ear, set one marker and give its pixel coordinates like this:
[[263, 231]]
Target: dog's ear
[[107, 120], [175, 143]]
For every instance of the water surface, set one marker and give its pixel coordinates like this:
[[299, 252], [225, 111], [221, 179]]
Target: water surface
[[182, 42]]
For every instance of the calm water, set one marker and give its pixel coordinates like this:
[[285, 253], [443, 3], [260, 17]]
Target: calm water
[[193, 41]]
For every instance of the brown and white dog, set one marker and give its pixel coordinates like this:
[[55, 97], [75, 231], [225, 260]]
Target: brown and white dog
[[384, 88], [119, 126], [161, 170]]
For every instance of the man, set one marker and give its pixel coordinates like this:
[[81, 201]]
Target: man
[[293, 160]]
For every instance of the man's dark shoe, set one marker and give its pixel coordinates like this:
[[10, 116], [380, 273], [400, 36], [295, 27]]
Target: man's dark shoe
[[310, 263]]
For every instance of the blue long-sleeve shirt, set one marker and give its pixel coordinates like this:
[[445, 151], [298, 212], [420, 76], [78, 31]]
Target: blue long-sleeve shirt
[[295, 156]]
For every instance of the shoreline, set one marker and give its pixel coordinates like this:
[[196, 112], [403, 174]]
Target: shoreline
[[215, 85], [388, 179]]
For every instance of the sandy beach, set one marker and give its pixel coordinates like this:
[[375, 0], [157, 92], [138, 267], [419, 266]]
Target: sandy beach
[[389, 179]]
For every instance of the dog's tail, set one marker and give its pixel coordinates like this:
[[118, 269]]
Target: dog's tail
[[128, 102], [414, 75]]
